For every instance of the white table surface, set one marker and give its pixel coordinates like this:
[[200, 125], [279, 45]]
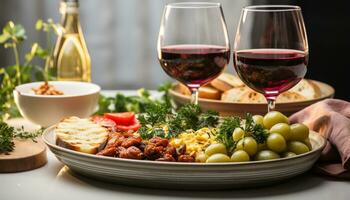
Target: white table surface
[[56, 181]]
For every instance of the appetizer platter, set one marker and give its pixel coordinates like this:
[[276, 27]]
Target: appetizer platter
[[184, 149], [228, 95]]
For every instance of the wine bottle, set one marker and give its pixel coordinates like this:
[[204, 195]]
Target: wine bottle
[[71, 57]]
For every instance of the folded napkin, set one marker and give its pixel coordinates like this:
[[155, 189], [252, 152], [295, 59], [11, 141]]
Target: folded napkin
[[330, 118]]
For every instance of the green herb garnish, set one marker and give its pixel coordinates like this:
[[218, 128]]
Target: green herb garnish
[[23, 70], [255, 130], [8, 133], [159, 119], [226, 129]]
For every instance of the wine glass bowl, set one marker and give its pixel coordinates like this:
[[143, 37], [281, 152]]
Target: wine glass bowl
[[193, 45], [270, 49]]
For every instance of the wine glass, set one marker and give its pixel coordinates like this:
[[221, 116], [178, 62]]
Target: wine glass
[[193, 45], [270, 49]]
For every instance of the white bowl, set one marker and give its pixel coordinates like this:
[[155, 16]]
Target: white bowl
[[79, 99]]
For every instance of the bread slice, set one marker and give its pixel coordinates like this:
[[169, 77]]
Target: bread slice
[[205, 92], [81, 135], [235, 94], [247, 95], [290, 96], [208, 92], [226, 82], [306, 88]]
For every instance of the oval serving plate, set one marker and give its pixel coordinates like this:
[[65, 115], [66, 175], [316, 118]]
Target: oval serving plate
[[239, 109], [185, 176]]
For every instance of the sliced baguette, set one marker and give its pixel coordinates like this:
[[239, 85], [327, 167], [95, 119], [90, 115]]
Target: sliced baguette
[[81, 135], [206, 92], [234, 94], [226, 82], [247, 95], [306, 88]]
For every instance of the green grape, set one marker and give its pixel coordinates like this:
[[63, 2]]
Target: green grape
[[266, 155], [201, 157], [237, 134], [308, 143], [262, 146], [218, 157], [215, 148], [240, 156], [288, 154], [274, 117], [283, 129], [248, 144], [299, 132], [297, 147], [258, 119], [276, 142]]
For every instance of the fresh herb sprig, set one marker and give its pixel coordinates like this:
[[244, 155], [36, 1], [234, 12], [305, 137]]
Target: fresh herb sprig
[[255, 130], [161, 120], [249, 126], [137, 103], [23, 70], [9, 133], [226, 129]]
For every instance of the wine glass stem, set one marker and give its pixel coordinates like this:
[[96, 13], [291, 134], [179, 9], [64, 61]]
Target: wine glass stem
[[271, 102], [194, 96]]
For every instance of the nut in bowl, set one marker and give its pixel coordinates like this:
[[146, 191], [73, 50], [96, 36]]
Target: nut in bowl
[[46, 105]]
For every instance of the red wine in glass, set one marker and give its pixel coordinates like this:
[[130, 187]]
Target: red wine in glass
[[271, 71], [194, 65]]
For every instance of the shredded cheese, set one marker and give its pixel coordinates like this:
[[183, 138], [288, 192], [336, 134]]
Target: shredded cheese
[[195, 141]]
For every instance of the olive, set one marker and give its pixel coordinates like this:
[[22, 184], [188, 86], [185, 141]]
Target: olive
[[240, 156], [276, 142], [288, 154], [274, 117], [297, 147], [266, 155], [215, 148], [258, 119], [262, 146], [299, 132], [201, 157], [308, 143], [237, 134], [218, 157], [283, 129], [248, 144]]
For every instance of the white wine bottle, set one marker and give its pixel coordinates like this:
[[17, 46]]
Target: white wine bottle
[[71, 57]]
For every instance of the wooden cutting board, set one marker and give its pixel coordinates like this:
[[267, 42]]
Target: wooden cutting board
[[27, 154]]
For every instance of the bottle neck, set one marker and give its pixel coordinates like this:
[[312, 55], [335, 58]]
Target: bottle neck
[[70, 17]]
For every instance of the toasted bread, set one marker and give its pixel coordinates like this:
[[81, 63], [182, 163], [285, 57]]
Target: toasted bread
[[247, 95], [206, 92], [234, 94], [81, 135], [306, 88], [182, 89], [226, 82]]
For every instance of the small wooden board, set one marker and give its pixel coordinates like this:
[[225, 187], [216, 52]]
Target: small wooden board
[[27, 154]]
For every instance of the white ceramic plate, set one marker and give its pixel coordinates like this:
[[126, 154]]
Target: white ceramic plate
[[189, 176]]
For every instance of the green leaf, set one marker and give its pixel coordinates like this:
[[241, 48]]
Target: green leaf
[[14, 31], [39, 24], [8, 45], [4, 37]]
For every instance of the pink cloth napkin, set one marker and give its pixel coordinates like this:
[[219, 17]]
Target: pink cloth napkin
[[330, 118]]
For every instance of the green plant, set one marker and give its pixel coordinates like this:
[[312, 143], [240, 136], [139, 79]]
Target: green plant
[[23, 71]]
